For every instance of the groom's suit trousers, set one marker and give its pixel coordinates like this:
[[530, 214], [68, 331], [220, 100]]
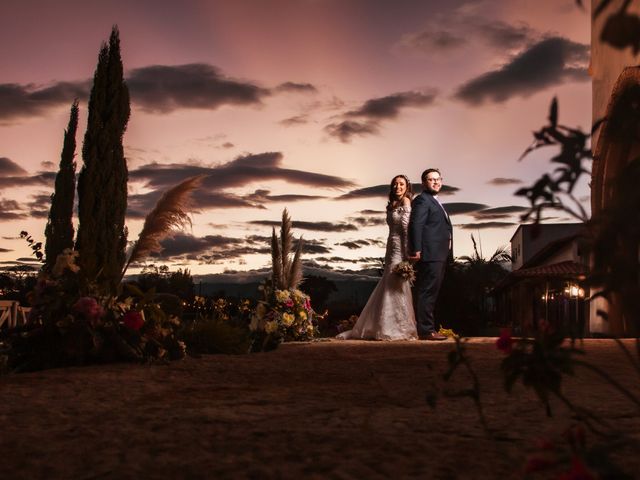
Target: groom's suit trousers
[[430, 275]]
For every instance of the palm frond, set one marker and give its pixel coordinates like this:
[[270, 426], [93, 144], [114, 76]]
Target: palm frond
[[276, 261], [475, 248], [169, 213], [295, 275], [286, 237], [501, 255]]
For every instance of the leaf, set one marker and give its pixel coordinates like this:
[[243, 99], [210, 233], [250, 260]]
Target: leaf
[[553, 112], [600, 8]]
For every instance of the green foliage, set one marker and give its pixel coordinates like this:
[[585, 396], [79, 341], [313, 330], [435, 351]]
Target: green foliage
[[102, 184], [59, 229], [220, 326], [179, 283], [67, 327], [319, 288], [36, 247]]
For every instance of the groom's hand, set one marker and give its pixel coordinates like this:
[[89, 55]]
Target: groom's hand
[[415, 257]]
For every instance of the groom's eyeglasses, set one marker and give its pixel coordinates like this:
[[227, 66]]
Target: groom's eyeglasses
[[434, 180]]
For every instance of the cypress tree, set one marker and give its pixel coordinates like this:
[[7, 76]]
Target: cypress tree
[[102, 184], [59, 230]]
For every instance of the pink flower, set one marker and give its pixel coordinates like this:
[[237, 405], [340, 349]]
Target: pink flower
[[307, 304], [289, 303], [133, 320], [89, 308], [505, 341]]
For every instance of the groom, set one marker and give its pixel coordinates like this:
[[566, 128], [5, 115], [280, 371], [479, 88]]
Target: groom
[[430, 242]]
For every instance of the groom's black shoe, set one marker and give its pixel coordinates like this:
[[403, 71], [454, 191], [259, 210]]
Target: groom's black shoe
[[433, 336]]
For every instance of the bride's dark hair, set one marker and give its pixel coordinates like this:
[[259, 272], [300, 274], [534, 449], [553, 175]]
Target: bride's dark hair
[[392, 196]]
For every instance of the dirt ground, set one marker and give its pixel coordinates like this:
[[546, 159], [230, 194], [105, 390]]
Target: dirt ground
[[327, 409]]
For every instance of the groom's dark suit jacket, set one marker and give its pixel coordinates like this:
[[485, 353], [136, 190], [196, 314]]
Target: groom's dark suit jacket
[[429, 229]]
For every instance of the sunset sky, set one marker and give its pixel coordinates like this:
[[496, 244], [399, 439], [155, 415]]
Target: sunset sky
[[312, 105]]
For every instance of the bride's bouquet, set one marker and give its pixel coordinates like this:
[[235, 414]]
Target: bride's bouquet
[[406, 271]]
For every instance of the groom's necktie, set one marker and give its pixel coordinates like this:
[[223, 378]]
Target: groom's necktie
[[445, 212]]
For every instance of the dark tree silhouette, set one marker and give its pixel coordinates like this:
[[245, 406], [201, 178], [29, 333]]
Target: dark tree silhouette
[[319, 289], [102, 185], [59, 230]]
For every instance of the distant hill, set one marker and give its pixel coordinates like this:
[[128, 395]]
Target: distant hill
[[353, 288]]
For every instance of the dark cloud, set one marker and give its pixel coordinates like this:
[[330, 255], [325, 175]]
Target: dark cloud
[[265, 196], [371, 212], [5, 250], [191, 247], [335, 259], [240, 172], [552, 61], [459, 208], [483, 225], [140, 205], [311, 246], [10, 168], [296, 87], [347, 129], [428, 40], [499, 212], [218, 248], [11, 210], [20, 101], [154, 88], [314, 226], [360, 243], [389, 107], [296, 120], [39, 205], [383, 191], [503, 36], [236, 173], [373, 112], [314, 248], [45, 179], [438, 36], [504, 181], [366, 221], [165, 88]]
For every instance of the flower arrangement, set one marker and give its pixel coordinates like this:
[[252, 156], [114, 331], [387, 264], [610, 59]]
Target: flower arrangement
[[285, 315], [406, 271], [72, 325]]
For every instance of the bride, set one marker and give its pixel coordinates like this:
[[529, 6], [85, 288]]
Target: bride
[[388, 314]]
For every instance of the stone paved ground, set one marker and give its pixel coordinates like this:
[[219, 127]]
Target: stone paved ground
[[309, 410]]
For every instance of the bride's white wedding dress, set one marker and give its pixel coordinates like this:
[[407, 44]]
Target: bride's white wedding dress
[[388, 314]]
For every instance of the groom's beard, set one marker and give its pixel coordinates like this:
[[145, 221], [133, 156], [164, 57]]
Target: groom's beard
[[431, 190]]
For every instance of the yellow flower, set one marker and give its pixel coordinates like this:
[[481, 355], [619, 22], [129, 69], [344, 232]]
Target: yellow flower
[[287, 319], [271, 326], [282, 296], [302, 314], [65, 261]]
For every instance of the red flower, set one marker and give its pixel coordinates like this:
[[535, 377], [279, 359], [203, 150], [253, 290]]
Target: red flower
[[133, 320], [89, 307], [536, 464], [578, 471], [505, 341]]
